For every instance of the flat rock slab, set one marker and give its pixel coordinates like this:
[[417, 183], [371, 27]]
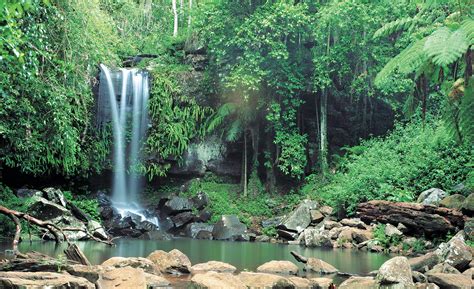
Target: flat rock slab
[[214, 280], [264, 280], [215, 266], [278, 267], [42, 280]]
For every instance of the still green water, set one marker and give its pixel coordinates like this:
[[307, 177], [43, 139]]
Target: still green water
[[243, 255]]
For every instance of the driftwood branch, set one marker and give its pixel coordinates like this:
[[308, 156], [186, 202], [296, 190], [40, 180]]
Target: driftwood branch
[[299, 258], [74, 253]]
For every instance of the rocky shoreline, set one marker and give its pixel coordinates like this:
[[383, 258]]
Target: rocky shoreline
[[450, 265]]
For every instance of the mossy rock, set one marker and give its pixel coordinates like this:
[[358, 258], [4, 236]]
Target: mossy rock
[[469, 228], [453, 202], [468, 205]]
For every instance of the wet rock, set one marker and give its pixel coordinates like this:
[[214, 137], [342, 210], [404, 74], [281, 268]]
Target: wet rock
[[229, 227], [264, 280], [317, 238], [135, 262], [278, 267], [215, 266], [55, 196], [354, 222], [194, 228], [391, 230], [300, 218], [42, 280], [396, 271], [156, 235], [450, 281], [319, 266], [453, 201], [431, 196], [182, 219], [214, 280], [177, 205], [262, 238], [106, 213], [126, 277], [468, 205], [425, 262], [456, 253], [359, 283], [172, 262], [204, 235]]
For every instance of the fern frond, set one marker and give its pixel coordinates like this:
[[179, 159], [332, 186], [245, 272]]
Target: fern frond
[[394, 26], [234, 131], [445, 46], [408, 61], [468, 27], [219, 116]]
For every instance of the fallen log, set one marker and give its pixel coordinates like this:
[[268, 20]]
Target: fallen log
[[299, 258], [419, 219], [74, 253]]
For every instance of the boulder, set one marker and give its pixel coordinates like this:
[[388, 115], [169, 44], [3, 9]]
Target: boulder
[[229, 227], [468, 205], [419, 277], [194, 228], [55, 196], [157, 235], [455, 252], [359, 283], [316, 216], [354, 222], [262, 238], [326, 210], [299, 282], [176, 205], [272, 222], [453, 201], [91, 273], [278, 267], [419, 219], [443, 268], [287, 235], [328, 224], [360, 236], [431, 196], [425, 285], [96, 229], [450, 281], [200, 201], [319, 266], [204, 216], [316, 238], [46, 210], [215, 266], [320, 283], [396, 271], [391, 230], [300, 218], [214, 280], [264, 280], [182, 219], [469, 272], [425, 262], [204, 235], [28, 193], [469, 229], [134, 262], [402, 228], [126, 277], [334, 232], [42, 280], [154, 281], [172, 262]]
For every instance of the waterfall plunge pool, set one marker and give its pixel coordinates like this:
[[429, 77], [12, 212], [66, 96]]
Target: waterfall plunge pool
[[243, 255]]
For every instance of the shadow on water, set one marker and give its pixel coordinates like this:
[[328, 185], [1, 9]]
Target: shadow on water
[[243, 255]]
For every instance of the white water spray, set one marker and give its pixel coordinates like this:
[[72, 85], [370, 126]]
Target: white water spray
[[127, 110]]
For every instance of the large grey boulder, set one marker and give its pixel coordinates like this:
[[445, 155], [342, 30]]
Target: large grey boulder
[[300, 218], [431, 196], [468, 205], [55, 195], [193, 229], [455, 252], [229, 227], [177, 205], [46, 210], [396, 273], [450, 281], [317, 238]]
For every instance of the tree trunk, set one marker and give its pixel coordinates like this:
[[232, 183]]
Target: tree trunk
[[189, 13], [323, 145], [244, 179], [175, 13], [270, 173]]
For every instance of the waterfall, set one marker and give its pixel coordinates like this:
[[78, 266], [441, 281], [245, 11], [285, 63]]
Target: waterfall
[[127, 112]]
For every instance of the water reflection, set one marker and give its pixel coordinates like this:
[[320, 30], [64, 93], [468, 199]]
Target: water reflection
[[243, 255]]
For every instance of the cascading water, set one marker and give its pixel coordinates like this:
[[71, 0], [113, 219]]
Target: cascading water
[[127, 111]]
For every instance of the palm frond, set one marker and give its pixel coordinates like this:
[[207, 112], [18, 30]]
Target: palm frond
[[445, 46], [234, 130], [219, 116], [394, 26], [409, 60], [468, 27]]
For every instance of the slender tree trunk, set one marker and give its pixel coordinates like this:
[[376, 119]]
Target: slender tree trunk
[[323, 145], [270, 174], [189, 13], [244, 180], [175, 13]]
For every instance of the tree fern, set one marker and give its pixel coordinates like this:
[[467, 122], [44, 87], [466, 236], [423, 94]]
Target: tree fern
[[409, 60], [466, 112], [394, 26], [468, 27], [445, 46], [219, 116]]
